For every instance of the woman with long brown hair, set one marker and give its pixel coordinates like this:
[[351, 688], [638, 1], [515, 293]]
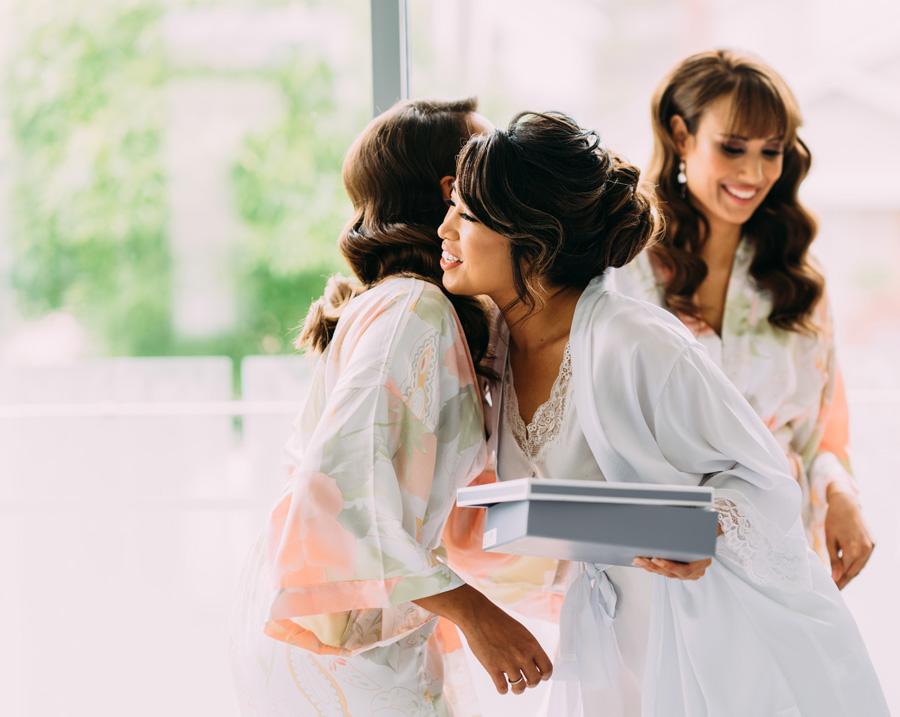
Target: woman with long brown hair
[[342, 593], [734, 265]]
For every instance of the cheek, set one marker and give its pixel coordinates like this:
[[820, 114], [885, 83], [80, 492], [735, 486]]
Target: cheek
[[718, 168], [773, 172], [706, 171], [483, 254]]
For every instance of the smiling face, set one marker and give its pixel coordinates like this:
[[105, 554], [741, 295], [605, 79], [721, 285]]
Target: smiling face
[[728, 175], [475, 259]]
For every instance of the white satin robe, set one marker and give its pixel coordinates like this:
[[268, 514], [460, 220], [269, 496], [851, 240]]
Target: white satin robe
[[765, 631]]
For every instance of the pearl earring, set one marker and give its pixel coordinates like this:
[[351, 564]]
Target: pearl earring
[[682, 178]]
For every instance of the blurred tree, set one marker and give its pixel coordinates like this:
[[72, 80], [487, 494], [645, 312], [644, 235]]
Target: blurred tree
[[290, 196], [85, 89], [88, 208]]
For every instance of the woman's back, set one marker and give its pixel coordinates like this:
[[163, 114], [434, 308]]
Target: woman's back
[[391, 428]]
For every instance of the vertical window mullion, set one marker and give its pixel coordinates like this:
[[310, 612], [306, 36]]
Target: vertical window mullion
[[390, 53]]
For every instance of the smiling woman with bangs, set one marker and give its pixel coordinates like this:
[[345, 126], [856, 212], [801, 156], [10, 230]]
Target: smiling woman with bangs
[[734, 265]]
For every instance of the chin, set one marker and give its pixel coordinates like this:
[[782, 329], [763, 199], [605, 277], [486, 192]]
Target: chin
[[743, 218], [732, 216], [449, 284]]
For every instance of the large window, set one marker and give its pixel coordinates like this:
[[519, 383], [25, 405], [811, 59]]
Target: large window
[[182, 157], [170, 197]]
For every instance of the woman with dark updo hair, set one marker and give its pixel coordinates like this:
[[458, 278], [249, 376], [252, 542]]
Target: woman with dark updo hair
[[342, 593], [594, 385]]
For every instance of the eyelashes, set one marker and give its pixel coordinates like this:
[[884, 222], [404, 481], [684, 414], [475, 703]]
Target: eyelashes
[[463, 215], [732, 151]]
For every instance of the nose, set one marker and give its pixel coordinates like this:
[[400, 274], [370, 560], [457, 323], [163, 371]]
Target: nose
[[445, 230], [752, 170]]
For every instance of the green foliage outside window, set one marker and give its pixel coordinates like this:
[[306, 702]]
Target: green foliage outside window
[[88, 206], [290, 197], [90, 219]]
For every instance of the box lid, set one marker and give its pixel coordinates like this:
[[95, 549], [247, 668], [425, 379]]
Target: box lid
[[582, 491]]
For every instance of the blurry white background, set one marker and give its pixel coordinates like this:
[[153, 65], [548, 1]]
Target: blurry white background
[[169, 199]]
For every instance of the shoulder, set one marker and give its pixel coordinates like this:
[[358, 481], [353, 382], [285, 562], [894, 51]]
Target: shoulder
[[629, 346], [820, 315], [399, 297], [624, 352], [391, 318], [396, 290], [431, 305], [622, 322], [414, 313]]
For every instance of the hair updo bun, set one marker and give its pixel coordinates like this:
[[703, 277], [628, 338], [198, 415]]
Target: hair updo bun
[[570, 207]]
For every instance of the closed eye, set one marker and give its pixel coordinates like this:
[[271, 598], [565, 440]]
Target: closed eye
[[731, 150], [464, 215]]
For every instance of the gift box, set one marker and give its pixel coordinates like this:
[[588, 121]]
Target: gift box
[[595, 521]]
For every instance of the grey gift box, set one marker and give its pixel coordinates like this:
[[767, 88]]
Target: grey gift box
[[597, 522]]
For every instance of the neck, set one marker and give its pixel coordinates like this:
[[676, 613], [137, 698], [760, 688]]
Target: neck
[[550, 322], [721, 243]]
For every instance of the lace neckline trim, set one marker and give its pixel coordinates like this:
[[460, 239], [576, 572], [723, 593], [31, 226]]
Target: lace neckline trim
[[546, 422]]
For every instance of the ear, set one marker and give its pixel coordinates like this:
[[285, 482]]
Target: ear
[[680, 134], [447, 187]]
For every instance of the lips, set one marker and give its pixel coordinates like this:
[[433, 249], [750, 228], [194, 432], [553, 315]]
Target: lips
[[449, 261], [743, 193]]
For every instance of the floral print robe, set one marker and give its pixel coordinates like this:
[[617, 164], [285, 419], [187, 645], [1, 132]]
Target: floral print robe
[[790, 378], [392, 426]]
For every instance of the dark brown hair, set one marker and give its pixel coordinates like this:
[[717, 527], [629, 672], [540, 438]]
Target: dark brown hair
[[392, 174], [780, 230], [570, 207]]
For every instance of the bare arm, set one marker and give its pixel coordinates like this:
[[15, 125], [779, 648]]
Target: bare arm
[[506, 649]]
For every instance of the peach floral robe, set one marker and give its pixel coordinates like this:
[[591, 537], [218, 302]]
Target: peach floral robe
[[392, 426]]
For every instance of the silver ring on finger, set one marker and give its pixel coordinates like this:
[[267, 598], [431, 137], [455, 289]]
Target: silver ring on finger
[[515, 682]]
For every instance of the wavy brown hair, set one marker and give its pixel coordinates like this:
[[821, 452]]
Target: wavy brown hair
[[570, 207], [392, 173], [781, 229]]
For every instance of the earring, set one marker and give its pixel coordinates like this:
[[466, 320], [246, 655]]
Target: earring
[[682, 178]]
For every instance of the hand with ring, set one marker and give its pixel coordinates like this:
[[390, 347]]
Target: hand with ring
[[515, 682], [511, 655], [506, 649]]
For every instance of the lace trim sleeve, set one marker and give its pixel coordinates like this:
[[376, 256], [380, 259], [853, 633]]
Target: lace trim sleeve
[[767, 557]]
